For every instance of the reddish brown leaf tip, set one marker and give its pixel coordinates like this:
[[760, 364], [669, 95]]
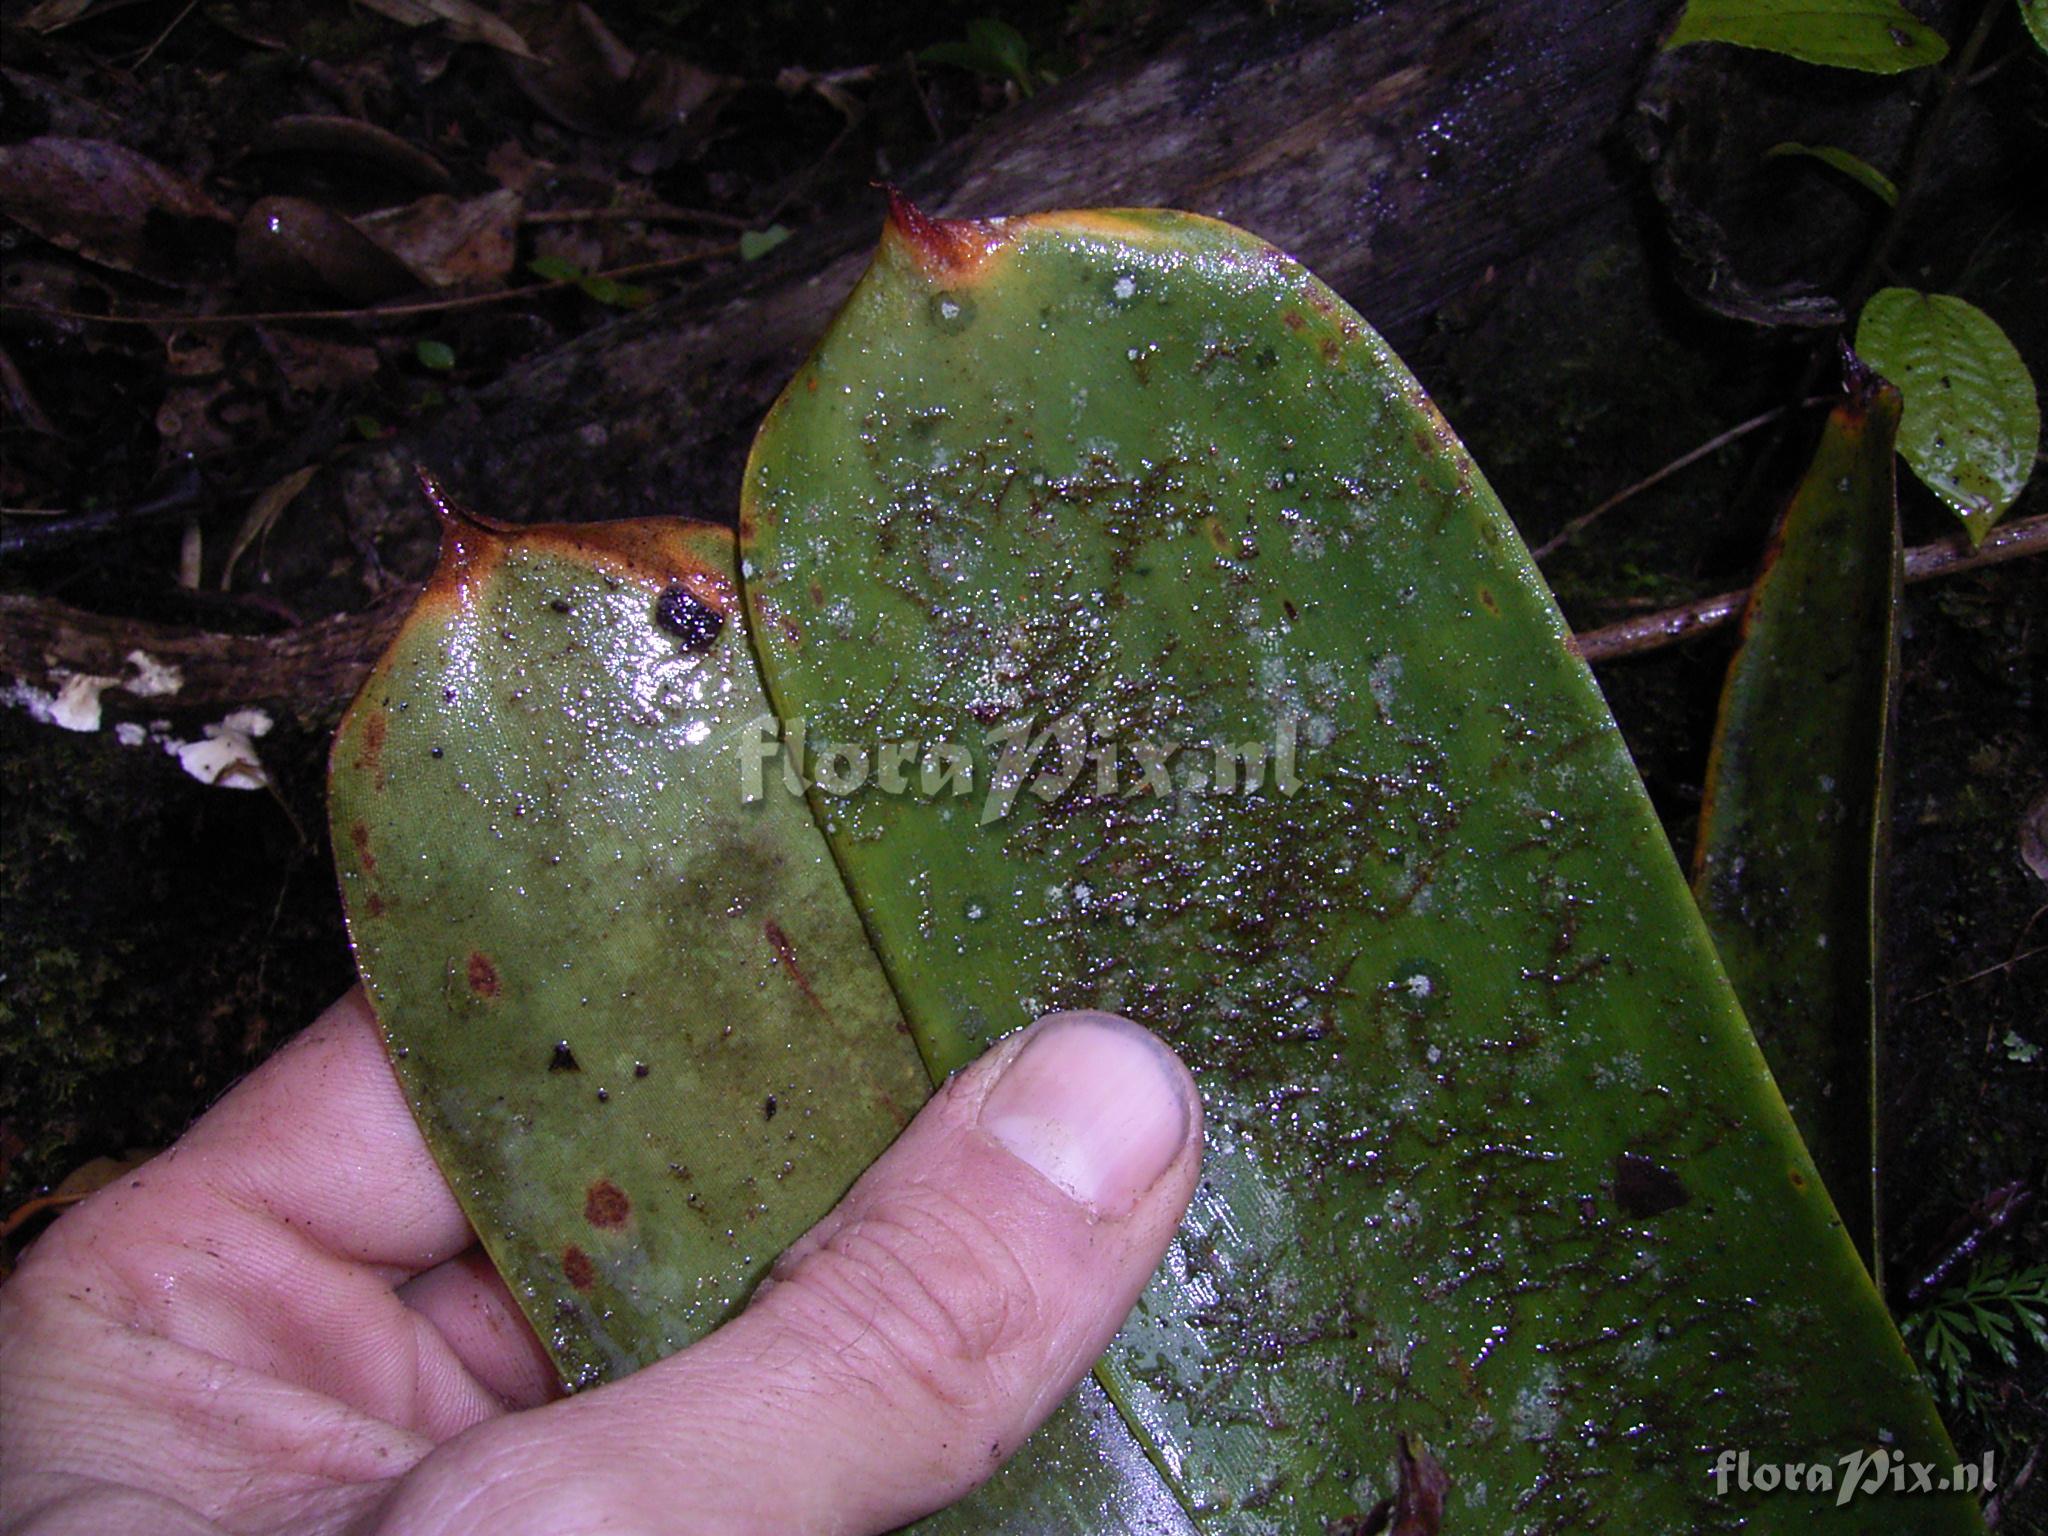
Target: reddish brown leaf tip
[[940, 245]]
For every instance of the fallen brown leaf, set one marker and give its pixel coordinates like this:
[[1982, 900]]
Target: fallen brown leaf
[[105, 202], [449, 242]]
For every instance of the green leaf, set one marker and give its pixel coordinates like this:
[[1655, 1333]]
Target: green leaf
[[2035, 14], [1857, 169], [555, 269], [617, 295], [561, 716], [1493, 1158], [756, 243], [435, 354], [1877, 36], [1789, 862], [992, 47], [1973, 423]]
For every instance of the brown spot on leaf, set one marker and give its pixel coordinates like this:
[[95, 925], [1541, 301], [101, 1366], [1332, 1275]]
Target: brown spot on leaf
[[370, 753], [483, 976], [1292, 319], [785, 954], [1645, 1188], [686, 616], [1489, 602], [359, 836], [577, 1268], [606, 1205], [1417, 1507]]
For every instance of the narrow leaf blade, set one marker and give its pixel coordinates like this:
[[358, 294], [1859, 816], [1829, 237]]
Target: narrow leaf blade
[[1790, 856], [1855, 167]]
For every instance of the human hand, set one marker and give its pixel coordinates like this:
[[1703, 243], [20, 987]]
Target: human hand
[[282, 1324]]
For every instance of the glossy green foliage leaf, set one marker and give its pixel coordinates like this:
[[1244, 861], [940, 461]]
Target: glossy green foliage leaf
[[636, 1016], [1855, 167], [1877, 36], [2035, 14], [1789, 858], [1973, 421], [1494, 1162]]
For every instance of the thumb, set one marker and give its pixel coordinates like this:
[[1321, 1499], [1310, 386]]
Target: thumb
[[905, 1347]]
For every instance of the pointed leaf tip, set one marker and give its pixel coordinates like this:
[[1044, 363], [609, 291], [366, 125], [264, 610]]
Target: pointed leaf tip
[[940, 246]]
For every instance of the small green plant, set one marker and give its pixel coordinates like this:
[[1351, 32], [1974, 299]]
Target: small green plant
[[991, 47], [1973, 422], [1991, 1310], [605, 290]]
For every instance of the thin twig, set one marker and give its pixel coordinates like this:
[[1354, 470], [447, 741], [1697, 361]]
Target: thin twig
[[660, 214], [186, 491], [384, 311], [163, 36], [1711, 445], [1654, 631]]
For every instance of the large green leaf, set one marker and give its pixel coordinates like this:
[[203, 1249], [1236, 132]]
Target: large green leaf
[[1789, 858], [1876, 36], [1494, 1161], [1973, 421]]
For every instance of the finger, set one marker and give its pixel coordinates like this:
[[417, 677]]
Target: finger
[[270, 1236], [467, 1303], [906, 1347]]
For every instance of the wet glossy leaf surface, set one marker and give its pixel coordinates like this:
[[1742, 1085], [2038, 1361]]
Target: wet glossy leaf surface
[[1494, 1161], [1789, 859], [636, 1017], [1876, 36], [1973, 420]]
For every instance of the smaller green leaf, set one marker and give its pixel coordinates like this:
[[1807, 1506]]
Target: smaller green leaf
[[992, 47], [2035, 14], [1877, 36], [554, 269], [1855, 167], [369, 428], [437, 355], [618, 295], [1973, 423], [756, 243]]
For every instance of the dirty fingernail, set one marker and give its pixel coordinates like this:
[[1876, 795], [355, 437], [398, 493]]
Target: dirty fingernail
[[1096, 1104]]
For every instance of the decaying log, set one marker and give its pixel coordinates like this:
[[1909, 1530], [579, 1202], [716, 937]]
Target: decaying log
[[1401, 154]]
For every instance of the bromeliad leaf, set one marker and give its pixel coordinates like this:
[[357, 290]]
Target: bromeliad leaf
[[1876, 36], [2035, 14], [1973, 422], [1302, 771], [590, 957], [1789, 862]]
